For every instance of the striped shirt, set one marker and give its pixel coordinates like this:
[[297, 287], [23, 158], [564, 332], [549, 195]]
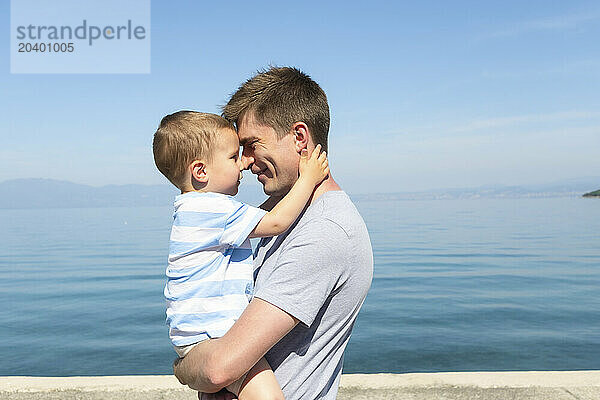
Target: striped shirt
[[209, 275]]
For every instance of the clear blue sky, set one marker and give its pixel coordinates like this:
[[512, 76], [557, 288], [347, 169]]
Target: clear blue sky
[[422, 94]]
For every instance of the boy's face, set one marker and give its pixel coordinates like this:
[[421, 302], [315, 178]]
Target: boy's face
[[225, 169]]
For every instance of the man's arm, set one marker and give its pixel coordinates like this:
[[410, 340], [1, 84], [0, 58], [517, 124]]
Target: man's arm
[[216, 363]]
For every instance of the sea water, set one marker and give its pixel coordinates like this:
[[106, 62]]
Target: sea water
[[459, 285]]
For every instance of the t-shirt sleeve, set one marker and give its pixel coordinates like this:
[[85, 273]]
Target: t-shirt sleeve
[[306, 272], [240, 222]]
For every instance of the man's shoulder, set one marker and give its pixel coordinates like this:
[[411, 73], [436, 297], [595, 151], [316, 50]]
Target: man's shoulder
[[330, 226], [332, 213]]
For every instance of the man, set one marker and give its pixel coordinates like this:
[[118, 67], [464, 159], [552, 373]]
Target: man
[[310, 281]]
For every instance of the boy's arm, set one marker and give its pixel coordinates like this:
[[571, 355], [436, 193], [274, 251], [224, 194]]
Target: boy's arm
[[216, 363], [313, 170], [283, 215]]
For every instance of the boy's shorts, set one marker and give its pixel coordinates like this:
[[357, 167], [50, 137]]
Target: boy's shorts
[[233, 388]]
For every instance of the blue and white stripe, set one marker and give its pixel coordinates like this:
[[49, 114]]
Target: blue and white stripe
[[209, 275]]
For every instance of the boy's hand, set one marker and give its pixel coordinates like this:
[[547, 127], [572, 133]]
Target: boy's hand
[[314, 168]]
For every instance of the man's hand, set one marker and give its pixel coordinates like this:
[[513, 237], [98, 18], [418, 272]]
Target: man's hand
[[176, 364], [216, 363]]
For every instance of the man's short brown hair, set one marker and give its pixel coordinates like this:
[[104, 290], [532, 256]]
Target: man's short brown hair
[[279, 97], [183, 137]]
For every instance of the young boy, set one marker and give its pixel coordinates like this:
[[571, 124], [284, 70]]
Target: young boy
[[209, 275]]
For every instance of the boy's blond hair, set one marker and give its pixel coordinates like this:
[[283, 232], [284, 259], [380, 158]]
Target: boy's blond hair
[[183, 137]]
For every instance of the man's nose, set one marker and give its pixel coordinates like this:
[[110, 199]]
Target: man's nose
[[247, 161]]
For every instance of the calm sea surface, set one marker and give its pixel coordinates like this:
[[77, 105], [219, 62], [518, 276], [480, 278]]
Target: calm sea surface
[[460, 285]]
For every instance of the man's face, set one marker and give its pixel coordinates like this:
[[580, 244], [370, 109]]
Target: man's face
[[274, 161]]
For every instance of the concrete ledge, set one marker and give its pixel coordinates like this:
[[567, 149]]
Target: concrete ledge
[[567, 385], [89, 383], [517, 379]]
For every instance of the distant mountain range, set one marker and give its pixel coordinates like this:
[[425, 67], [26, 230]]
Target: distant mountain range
[[566, 188], [49, 193]]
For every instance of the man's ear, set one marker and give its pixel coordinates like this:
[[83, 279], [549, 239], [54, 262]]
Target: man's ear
[[301, 136], [198, 171]]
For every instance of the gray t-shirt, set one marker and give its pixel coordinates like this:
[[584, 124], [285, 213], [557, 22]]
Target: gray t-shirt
[[319, 271]]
